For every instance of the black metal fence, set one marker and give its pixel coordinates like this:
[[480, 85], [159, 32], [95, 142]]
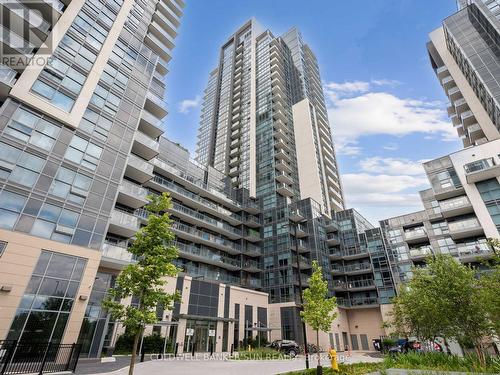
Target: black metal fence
[[23, 358]]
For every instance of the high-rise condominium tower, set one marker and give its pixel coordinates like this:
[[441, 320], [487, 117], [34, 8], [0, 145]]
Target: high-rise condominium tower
[[264, 120], [81, 103]]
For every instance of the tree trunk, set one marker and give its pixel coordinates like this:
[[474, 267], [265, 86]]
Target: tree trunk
[[480, 354], [317, 347], [134, 352]]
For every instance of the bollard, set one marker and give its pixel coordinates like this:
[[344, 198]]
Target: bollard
[[176, 349], [143, 353], [319, 370], [211, 349], [333, 359], [193, 347], [232, 349]]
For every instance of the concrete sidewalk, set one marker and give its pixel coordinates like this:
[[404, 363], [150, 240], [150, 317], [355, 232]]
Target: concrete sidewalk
[[203, 364]]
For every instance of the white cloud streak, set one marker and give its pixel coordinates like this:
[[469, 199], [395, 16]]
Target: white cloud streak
[[187, 105]]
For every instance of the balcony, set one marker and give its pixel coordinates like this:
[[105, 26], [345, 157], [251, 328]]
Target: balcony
[[115, 256], [468, 118], [131, 195], [442, 71], [415, 235], [336, 254], [206, 255], [138, 169], [358, 268], [158, 46], [299, 230], [194, 200], [282, 155], [252, 235], [252, 251], [354, 285], [166, 9], [284, 178], [296, 216], [199, 219], [420, 253], [123, 223], [251, 206], [250, 266], [304, 263], [282, 145], [468, 251], [331, 226], [150, 124], [144, 146], [300, 245], [475, 132], [280, 125], [155, 105], [199, 236], [279, 116], [162, 34], [456, 206], [357, 302], [465, 228], [251, 283], [283, 166], [354, 254], [252, 221], [284, 189], [332, 239], [447, 82], [481, 170], [454, 93]]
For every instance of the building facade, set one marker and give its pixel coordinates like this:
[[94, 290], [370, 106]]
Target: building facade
[[82, 98], [461, 209]]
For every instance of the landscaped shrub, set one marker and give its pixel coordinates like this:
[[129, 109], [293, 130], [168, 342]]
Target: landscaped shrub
[[152, 344]]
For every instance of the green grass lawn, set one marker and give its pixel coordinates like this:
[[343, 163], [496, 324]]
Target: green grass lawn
[[415, 361]]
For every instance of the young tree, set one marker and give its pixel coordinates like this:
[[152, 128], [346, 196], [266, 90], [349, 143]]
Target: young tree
[[318, 310], [446, 299], [145, 279]]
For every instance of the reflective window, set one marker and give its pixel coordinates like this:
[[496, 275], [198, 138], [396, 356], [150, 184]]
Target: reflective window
[[48, 299]]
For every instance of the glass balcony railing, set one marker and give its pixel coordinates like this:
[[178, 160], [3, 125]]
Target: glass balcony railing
[[206, 219], [186, 193], [454, 203], [115, 251], [204, 252], [200, 272], [415, 233], [479, 165], [464, 225], [216, 240], [353, 284], [422, 251]]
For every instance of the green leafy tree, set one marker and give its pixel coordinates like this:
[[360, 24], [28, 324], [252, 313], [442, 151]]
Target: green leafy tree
[[318, 310], [445, 299], [146, 278]]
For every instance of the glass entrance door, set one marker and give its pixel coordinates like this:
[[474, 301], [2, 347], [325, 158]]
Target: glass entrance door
[[198, 335]]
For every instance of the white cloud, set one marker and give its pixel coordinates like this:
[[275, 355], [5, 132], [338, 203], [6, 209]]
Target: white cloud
[[386, 82], [392, 166], [355, 111], [391, 147], [380, 196], [187, 105]]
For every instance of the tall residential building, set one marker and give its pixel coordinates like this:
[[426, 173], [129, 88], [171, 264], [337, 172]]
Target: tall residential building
[[264, 120], [81, 106], [462, 207]]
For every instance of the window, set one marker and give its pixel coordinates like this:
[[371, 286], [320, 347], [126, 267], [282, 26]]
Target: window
[[71, 185], [83, 152], [31, 128], [11, 205], [490, 193], [3, 246], [55, 223], [48, 299], [19, 167]]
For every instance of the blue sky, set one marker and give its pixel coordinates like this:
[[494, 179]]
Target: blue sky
[[386, 108]]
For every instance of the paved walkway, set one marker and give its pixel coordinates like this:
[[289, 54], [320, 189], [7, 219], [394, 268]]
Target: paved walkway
[[203, 365]]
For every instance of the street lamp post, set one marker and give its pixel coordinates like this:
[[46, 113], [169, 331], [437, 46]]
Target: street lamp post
[[306, 351]]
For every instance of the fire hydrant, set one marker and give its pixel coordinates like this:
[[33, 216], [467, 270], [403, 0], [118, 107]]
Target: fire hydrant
[[333, 359]]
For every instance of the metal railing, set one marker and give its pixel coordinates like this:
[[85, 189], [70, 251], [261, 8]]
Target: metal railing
[[32, 357], [479, 165]]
